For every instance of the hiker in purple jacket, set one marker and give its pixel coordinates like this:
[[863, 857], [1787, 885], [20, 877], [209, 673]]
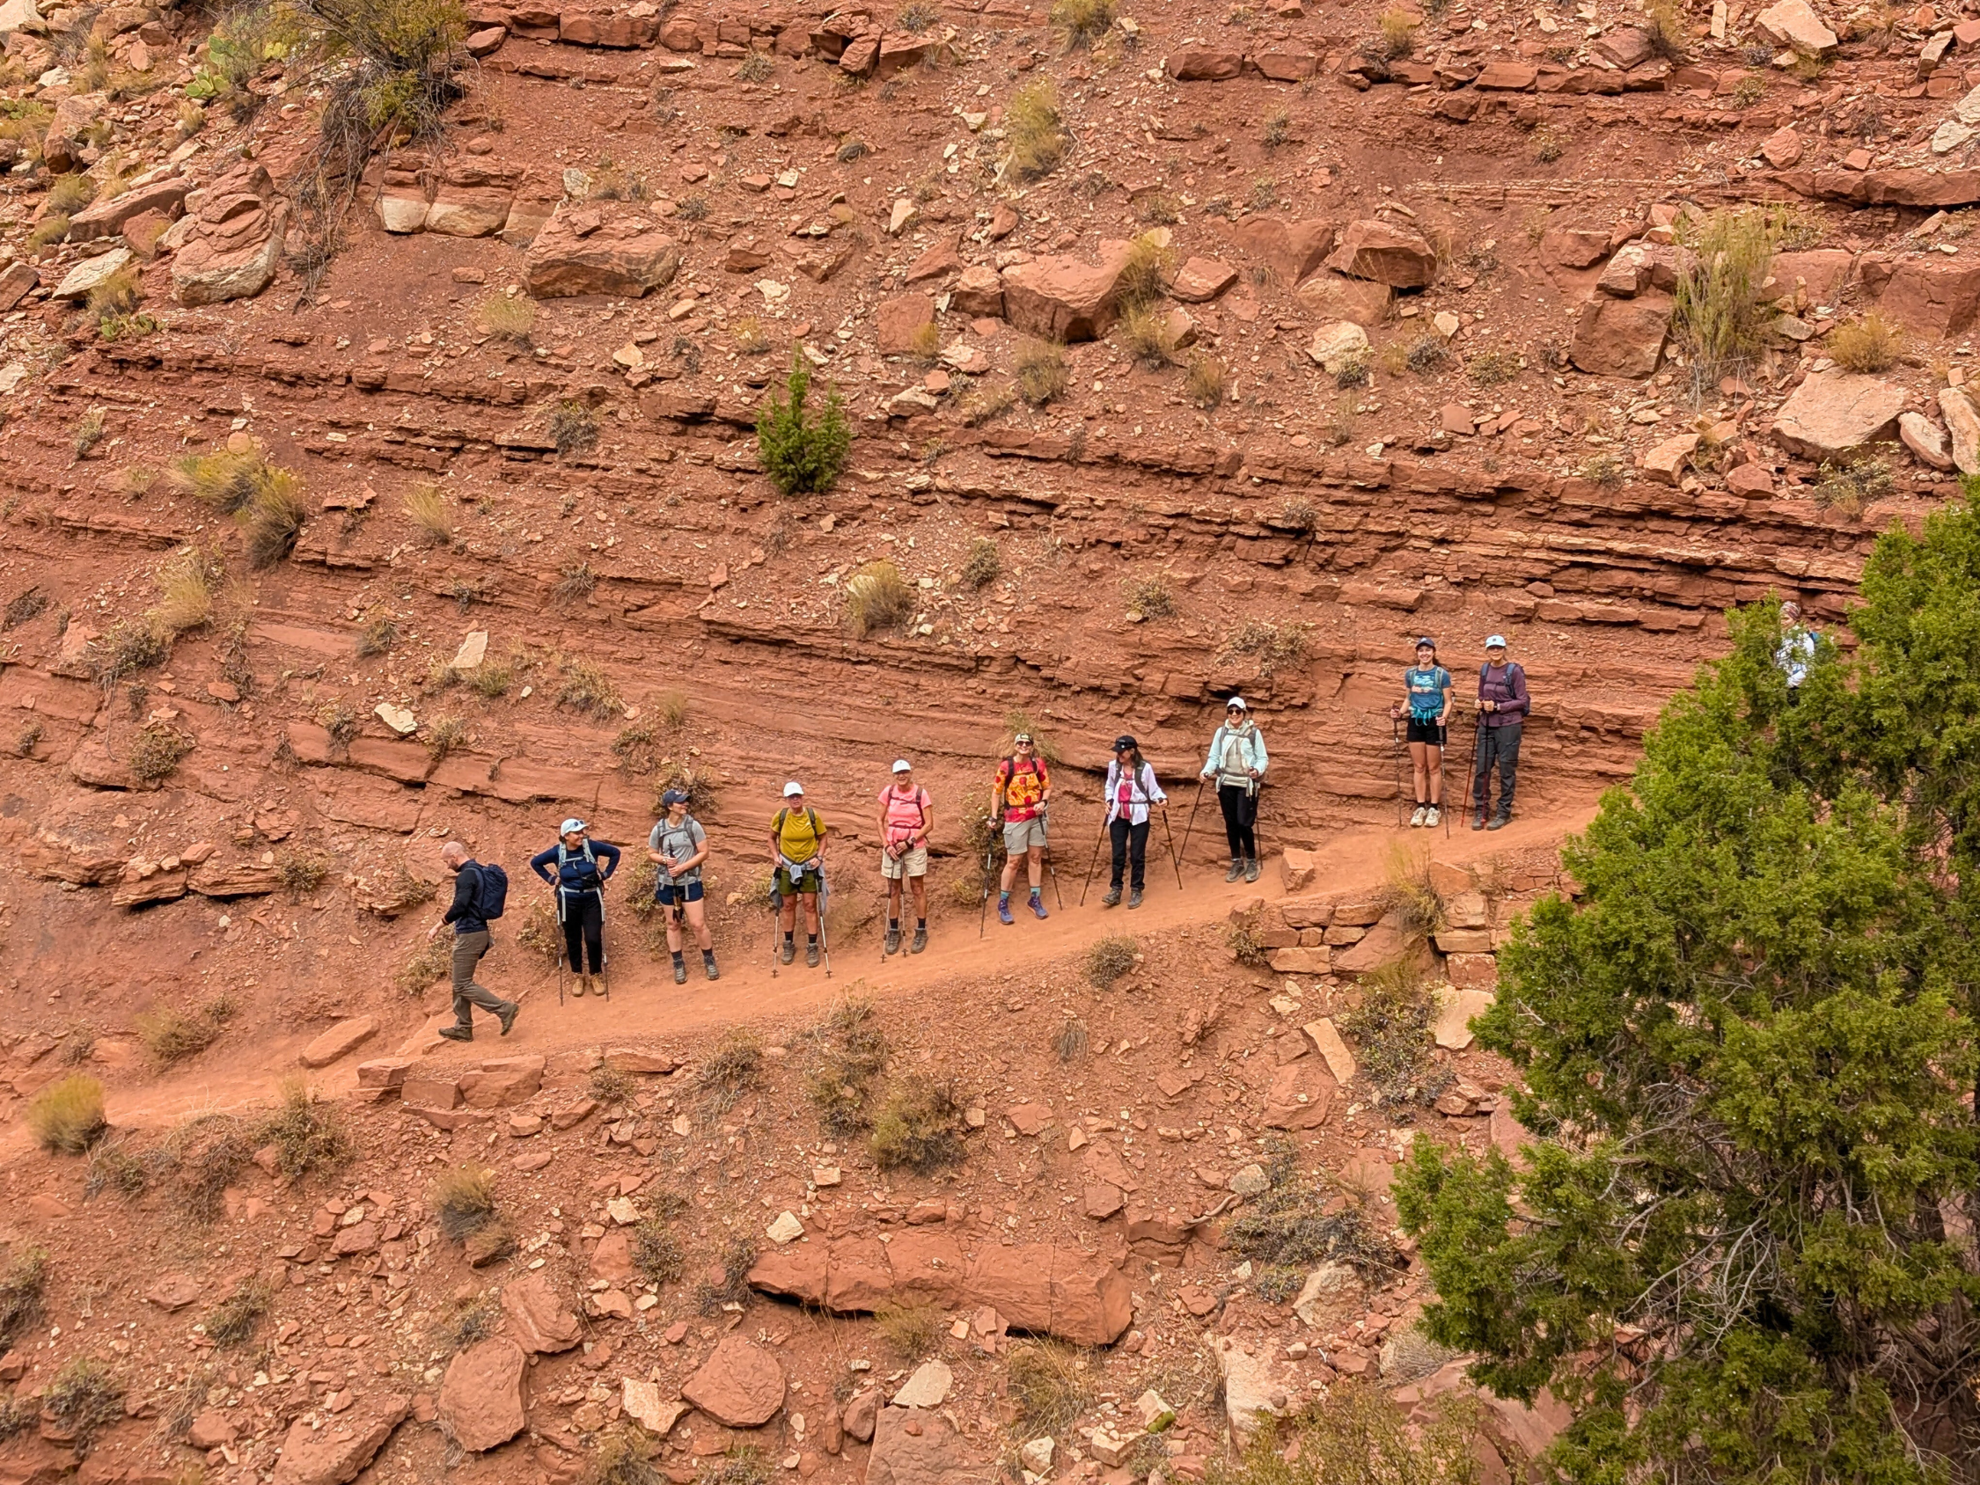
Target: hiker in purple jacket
[[1503, 703]]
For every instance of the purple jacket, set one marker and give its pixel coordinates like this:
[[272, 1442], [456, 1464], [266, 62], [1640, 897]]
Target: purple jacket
[[1507, 690]]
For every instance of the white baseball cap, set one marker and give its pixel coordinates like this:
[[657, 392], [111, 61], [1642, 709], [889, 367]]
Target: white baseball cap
[[569, 825], [1495, 641], [901, 765], [793, 787], [1236, 703]]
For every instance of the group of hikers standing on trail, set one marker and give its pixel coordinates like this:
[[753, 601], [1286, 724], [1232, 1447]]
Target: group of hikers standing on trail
[[578, 865]]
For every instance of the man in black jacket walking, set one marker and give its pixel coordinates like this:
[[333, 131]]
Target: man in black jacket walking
[[471, 940]]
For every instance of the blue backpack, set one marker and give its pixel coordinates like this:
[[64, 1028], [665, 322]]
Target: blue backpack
[[491, 899]]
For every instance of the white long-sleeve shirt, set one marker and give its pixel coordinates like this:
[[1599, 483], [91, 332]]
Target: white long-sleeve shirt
[[1141, 788]]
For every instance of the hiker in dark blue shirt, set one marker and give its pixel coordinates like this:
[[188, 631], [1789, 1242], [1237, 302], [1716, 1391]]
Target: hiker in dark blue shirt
[[583, 866], [479, 892]]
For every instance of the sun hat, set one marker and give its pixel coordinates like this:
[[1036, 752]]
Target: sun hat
[[793, 787], [1236, 704], [569, 825], [901, 765]]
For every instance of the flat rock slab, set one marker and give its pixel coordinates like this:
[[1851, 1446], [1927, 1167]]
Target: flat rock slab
[[644, 1405], [740, 1385], [339, 1451], [91, 272], [1836, 412], [173, 1291], [915, 1448], [481, 1396], [339, 1041], [541, 1322], [927, 1388], [1453, 1028]]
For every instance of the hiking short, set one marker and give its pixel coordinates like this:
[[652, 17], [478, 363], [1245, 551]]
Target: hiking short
[[678, 892], [786, 886], [1021, 835], [912, 863], [1425, 732]]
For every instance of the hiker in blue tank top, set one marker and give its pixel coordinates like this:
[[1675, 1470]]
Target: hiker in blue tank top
[[1427, 698]]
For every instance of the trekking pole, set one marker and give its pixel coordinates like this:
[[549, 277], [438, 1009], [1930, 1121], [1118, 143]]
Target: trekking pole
[[1052, 870], [1473, 784], [562, 948], [824, 942], [1443, 737], [1190, 824], [604, 959], [1174, 859], [776, 920], [989, 875], [1094, 862], [1395, 734]]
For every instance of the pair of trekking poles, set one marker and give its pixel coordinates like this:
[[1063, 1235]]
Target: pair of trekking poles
[[777, 922], [1402, 791]]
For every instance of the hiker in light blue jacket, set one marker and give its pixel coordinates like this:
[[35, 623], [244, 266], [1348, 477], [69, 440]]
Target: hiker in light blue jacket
[[1237, 762]]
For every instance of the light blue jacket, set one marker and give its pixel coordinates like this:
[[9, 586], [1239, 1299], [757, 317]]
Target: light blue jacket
[[1250, 746]]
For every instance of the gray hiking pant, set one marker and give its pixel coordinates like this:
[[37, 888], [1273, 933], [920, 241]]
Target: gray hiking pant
[[1497, 746], [468, 949]]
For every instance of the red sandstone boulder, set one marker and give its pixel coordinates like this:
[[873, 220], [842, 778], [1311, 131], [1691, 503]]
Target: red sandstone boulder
[[481, 1395], [1384, 254], [1063, 298], [586, 250], [740, 1385], [1621, 337]]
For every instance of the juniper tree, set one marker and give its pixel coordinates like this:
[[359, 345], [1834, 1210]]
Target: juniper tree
[[801, 452]]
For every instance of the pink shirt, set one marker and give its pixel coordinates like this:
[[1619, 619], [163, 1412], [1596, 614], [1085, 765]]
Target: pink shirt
[[905, 815]]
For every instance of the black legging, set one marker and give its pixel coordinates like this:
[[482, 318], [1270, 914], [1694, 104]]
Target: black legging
[[1130, 844], [584, 930], [1240, 807]]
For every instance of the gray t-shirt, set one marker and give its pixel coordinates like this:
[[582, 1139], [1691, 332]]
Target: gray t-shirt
[[680, 842]]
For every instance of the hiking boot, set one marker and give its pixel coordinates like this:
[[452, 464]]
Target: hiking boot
[[590, 985], [1004, 911], [1134, 898], [1416, 820], [1112, 899], [1237, 869], [507, 1017], [708, 968], [1478, 821], [1251, 869], [680, 972], [1037, 906], [893, 939], [920, 941], [578, 985], [1500, 821], [458, 1033], [1432, 817], [788, 952], [811, 955]]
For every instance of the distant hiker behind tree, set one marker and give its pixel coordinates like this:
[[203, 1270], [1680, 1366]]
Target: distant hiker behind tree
[[797, 860], [582, 867], [678, 847], [1018, 802], [906, 817], [1129, 792], [1237, 762], [480, 896], [1503, 704]]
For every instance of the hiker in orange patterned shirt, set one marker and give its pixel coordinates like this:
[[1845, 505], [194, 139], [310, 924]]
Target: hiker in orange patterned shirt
[[1024, 788]]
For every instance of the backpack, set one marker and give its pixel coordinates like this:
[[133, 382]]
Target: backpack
[[563, 855], [491, 897]]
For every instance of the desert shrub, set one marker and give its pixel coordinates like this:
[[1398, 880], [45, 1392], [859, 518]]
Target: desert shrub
[[917, 1129], [491, 680], [510, 317], [265, 500], [203, 1156], [1208, 382], [802, 452], [28, 604], [156, 752], [918, 18], [1082, 22], [426, 507], [1148, 598], [852, 1053], [83, 1400], [575, 582], [119, 294], [1018, 720], [67, 1117], [1398, 33], [1071, 1040], [573, 427], [1108, 959], [983, 565], [621, 1459], [1241, 938], [1273, 646], [1603, 469], [463, 1199], [1144, 335], [1294, 1223], [89, 432], [1490, 368], [1865, 345], [912, 1331], [300, 871], [656, 1252], [70, 194], [1720, 320], [984, 402], [50, 230], [1428, 355], [234, 1320], [695, 208], [1040, 367], [21, 1287], [1144, 272], [586, 688], [1278, 127], [379, 634], [1355, 1435], [170, 1034], [1034, 138], [1050, 1385], [732, 1288], [1409, 894], [429, 964], [732, 1069], [878, 598], [306, 1132], [1663, 28], [130, 646], [185, 593], [1390, 1026], [1849, 484]]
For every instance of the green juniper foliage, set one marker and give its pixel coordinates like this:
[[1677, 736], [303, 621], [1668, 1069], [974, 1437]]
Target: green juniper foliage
[[800, 452], [1742, 1246]]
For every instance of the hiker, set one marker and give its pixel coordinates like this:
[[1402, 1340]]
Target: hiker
[[1796, 651], [1237, 762], [1503, 703], [1018, 805], [1428, 696], [1131, 789], [678, 846], [580, 882], [906, 817], [797, 855], [480, 894]]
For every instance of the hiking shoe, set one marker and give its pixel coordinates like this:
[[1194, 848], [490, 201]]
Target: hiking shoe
[[1251, 870], [1134, 898], [680, 972], [579, 984], [507, 1017], [1037, 905], [458, 1033], [708, 968], [1478, 821], [1004, 911], [1432, 817], [1416, 820], [1500, 821], [1237, 869], [788, 952], [811, 955], [1112, 899], [893, 939], [920, 941]]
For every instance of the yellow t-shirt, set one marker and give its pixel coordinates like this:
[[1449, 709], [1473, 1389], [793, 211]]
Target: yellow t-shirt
[[799, 833]]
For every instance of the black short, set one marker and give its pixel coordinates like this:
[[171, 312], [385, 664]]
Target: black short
[[1424, 732]]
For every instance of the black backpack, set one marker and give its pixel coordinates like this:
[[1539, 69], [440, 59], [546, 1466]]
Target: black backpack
[[491, 898]]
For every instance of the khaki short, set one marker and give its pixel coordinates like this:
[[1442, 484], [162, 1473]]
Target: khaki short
[[1021, 835], [912, 863]]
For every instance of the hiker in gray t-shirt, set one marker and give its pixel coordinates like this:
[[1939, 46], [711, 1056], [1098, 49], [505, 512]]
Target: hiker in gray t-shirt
[[678, 846]]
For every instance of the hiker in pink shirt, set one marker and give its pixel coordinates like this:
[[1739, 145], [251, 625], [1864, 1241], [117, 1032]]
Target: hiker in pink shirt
[[906, 817]]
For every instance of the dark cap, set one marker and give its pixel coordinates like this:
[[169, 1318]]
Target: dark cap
[[1125, 740], [1426, 640], [674, 796]]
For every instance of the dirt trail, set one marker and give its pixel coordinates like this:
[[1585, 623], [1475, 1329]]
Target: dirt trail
[[646, 1004]]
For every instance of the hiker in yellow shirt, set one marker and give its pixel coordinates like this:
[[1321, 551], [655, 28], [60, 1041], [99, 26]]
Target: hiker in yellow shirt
[[797, 852]]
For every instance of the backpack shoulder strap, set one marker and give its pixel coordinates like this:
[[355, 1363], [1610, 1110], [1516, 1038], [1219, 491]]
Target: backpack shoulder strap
[[811, 815], [782, 815]]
